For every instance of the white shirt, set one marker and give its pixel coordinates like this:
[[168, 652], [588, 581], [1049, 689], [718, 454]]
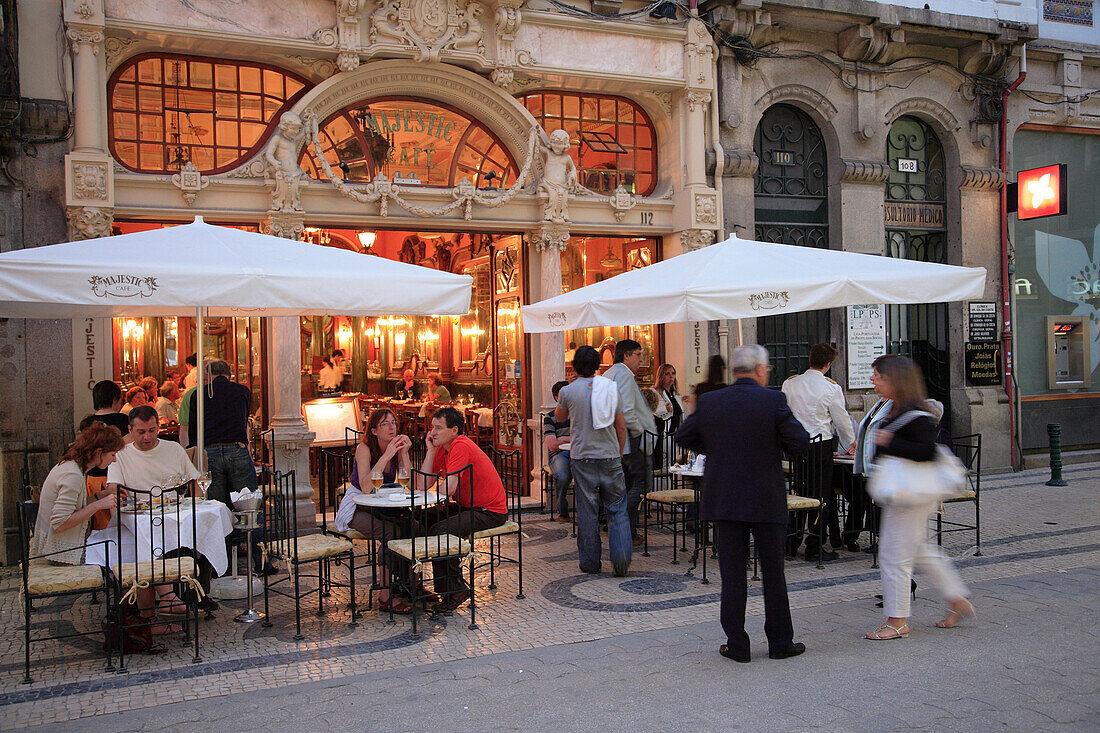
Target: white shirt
[[664, 403], [144, 469], [330, 377], [818, 403]]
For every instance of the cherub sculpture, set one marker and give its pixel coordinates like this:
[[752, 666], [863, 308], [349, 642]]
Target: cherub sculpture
[[559, 178], [282, 163]]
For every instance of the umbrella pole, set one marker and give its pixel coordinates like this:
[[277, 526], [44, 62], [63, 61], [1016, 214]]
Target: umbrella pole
[[200, 414]]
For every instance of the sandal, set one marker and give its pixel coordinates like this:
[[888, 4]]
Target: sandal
[[394, 605], [881, 633], [165, 629], [955, 616]]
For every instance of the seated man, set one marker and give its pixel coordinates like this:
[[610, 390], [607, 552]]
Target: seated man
[[167, 405], [556, 434], [482, 501], [146, 462]]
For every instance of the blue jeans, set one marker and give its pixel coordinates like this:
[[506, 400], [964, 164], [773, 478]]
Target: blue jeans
[[559, 469], [600, 482], [231, 469], [638, 474]]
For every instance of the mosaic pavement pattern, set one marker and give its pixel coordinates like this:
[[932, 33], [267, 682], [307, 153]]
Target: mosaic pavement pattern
[[1027, 528]]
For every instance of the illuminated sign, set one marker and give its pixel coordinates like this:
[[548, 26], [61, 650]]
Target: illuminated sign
[[1041, 192]]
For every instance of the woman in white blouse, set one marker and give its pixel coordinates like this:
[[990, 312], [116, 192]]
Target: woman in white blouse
[[670, 410], [64, 511]]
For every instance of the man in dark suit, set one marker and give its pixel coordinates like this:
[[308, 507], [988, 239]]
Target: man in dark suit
[[742, 429]]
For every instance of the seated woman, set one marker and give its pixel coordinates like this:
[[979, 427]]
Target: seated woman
[[381, 450], [64, 512], [135, 397], [437, 393]]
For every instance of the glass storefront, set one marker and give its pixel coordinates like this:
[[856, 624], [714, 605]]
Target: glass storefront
[[1056, 286]]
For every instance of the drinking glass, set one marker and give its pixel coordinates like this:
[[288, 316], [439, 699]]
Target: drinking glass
[[403, 478], [376, 479], [203, 484]]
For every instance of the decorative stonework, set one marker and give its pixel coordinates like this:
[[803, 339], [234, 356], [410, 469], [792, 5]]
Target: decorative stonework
[[978, 178], [508, 19], [190, 181], [923, 107], [870, 43], [739, 163], [705, 210], [429, 27], [698, 56], [322, 68], [621, 201], [693, 239], [115, 48], [89, 222], [252, 169], [284, 224], [90, 181], [697, 98], [283, 174], [664, 99], [798, 93], [84, 38], [869, 172], [551, 238]]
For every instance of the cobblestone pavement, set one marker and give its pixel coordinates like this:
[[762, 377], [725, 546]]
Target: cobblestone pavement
[[648, 647]]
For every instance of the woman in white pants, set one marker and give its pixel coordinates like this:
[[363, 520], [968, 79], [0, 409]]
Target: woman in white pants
[[903, 534]]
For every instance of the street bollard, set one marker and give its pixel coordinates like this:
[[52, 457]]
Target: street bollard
[[1054, 432]]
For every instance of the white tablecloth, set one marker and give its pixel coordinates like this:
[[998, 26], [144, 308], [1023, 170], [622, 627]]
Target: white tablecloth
[[484, 416], [423, 498], [213, 523]]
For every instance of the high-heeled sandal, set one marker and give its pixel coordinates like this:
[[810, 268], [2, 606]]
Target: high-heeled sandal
[[880, 634], [953, 617]]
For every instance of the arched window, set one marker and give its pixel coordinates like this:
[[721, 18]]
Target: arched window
[[613, 138], [413, 142], [166, 110]]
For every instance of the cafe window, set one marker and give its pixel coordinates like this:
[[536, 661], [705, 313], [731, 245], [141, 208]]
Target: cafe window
[[412, 142], [165, 111], [613, 139], [588, 260]]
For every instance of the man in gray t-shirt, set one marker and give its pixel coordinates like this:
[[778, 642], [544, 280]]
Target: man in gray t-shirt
[[597, 469]]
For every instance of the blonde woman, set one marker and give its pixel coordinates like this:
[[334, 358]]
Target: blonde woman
[[903, 537]]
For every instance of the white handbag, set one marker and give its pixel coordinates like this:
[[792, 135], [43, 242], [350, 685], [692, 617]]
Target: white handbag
[[901, 482]]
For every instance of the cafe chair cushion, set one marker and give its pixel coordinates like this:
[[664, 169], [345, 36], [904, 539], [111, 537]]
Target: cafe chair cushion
[[672, 496], [796, 503], [168, 570], [508, 527], [426, 548], [312, 547], [353, 534], [48, 579]]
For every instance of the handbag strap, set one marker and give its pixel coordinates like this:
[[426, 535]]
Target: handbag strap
[[904, 419]]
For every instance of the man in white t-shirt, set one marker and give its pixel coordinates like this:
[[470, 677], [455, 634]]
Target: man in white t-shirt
[[149, 461]]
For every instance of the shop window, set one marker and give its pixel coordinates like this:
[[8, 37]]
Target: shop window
[[412, 142], [588, 260], [165, 111], [613, 139]]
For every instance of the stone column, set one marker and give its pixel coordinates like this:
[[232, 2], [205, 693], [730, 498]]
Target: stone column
[[292, 435], [550, 241], [89, 171]]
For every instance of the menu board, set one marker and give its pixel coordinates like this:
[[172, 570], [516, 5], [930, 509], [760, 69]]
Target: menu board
[[329, 417], [866, 342]]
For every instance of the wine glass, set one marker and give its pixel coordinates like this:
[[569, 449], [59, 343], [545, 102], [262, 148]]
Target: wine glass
[[203, 484], [376, 479], [403, 478]]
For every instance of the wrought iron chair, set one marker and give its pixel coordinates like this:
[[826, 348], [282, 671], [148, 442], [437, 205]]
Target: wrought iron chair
[[673, 507], [263, 449], [805, 491], [41, 580], [334, 467], [448, 552], [156, 548], [969, 450], [281, 540], [509, 466]]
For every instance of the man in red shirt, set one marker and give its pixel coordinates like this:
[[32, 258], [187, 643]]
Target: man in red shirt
[[478, 492]]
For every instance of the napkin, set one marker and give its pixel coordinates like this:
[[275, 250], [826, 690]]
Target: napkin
[[700, 463], [246, 498]]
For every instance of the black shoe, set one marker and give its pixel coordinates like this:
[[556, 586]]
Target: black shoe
[[822, 555], [728, 654], [208, 605], [852, 546], [622, 570], [872, 549], [792, 651], [264, 571]]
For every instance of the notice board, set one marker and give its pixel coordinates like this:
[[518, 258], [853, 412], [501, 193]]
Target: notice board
[[982, 364], [329, 417], [866, 342]]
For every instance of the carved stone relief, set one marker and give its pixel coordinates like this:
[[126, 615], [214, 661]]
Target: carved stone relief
[[739, 163], [621, 201], [429, 27], [923, 107], [977, 178], [89, 222], [190, 181], [550, 237], [90, 181], [283, 174], [801, 93], [693, 239], [705, 210], [284, 224], [115, 48], [318, 67], [868, 172]]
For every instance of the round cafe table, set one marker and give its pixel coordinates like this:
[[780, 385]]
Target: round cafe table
[[401, 500], [213, 523]]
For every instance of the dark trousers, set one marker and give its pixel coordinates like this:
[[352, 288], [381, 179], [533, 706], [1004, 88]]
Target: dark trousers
[[816, 484], [637, 474], [447, 573], [862, 512], [231, 469], [733, 553]]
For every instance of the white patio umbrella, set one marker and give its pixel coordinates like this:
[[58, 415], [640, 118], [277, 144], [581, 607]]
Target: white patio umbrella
[[741, 278], [200, 269]]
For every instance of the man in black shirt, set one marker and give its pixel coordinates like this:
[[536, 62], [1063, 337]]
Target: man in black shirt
[[227, 407]]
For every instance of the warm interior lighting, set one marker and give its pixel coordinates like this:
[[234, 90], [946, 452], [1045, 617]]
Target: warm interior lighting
[[472, 331], [366, 239], [399, 338], [390, 322], [610, 261], [133, 329], [1041, 192], [345, 332], [427, 336]]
